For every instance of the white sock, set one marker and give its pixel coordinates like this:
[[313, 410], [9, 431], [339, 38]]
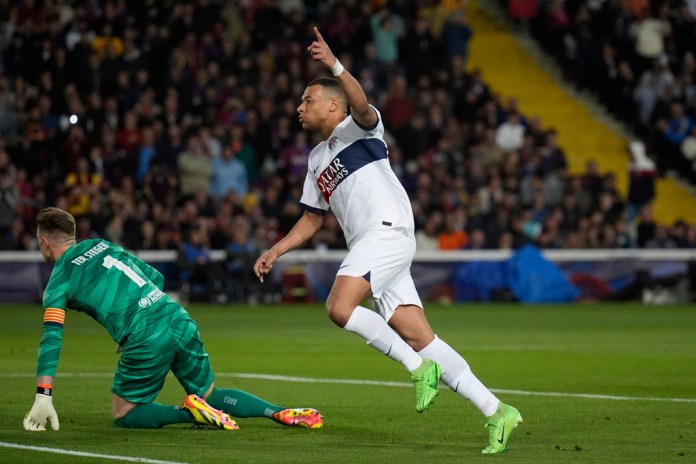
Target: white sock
[[375, 330], [458, 376]]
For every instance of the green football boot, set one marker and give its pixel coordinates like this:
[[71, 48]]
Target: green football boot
[[500, 426], [425, 380]]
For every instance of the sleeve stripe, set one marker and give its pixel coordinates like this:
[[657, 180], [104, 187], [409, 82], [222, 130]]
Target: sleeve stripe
[[55, 316], [312, 209], [57, 324]]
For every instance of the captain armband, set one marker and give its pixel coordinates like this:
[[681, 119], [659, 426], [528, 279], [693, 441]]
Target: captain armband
[[54, 316]]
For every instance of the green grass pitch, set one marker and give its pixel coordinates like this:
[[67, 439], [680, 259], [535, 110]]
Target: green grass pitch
[[638, 364]]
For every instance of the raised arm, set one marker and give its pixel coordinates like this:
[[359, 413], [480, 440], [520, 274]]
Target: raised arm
[[360, 110]]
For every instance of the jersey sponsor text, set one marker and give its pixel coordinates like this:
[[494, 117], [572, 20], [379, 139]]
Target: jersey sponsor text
[[331, 177], [150, 298]]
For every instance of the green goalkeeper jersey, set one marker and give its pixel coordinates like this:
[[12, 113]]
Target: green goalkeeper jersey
[[101, 279]]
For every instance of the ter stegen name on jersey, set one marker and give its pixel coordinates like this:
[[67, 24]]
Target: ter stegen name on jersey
[[91, 253]]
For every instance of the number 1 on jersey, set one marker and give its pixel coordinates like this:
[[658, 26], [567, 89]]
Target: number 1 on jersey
[[110, 261]]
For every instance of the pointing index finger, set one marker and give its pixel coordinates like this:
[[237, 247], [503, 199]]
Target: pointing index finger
[[318, 35]]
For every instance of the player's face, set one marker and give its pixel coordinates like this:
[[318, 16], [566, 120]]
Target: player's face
[[314, 108]]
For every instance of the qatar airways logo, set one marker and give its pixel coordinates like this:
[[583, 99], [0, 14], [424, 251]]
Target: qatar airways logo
[[330, 178]]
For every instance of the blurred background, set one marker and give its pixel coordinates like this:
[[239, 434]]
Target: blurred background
[[545, 144]]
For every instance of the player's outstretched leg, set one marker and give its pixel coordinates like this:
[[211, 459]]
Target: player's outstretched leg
[[205, 414], [300, 417], [425, 379], [500, 426], [239, 403]]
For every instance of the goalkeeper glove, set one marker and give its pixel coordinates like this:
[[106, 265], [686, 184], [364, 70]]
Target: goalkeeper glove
[[41, 412]]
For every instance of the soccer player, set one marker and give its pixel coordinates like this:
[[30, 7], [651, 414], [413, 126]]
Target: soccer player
[[153, 332], [349, 172]]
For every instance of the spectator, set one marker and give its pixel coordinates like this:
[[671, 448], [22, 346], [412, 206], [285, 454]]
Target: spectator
[[510, 135], [661, 239], [26, 196], [229, 174], [649, 33], [642, 175], [523, 10], [477, 240], [412, 137], [83, 185], [552, 157], [399, 107], [591, 181], [488, 152], [85, 229], [8, 194], [114, 230], [456, 34], [674, 131], [688, 151], [454, 235], [387, 30], [147, 152], [195, 167], [245, 152], [241, 253], [679, 233], [647, 226], [678, 125], [422, 50], [427, 238], [556, 27], [491, 195], [147, 236], [341, 29], [75, 147], [690, 237], [293, 159], [200, 277]]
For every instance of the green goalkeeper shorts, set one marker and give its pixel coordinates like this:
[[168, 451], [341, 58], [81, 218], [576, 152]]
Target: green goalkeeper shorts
[[150, 353]]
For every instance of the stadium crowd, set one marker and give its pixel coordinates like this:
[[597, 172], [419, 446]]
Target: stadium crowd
[[173, 125], [637, 56]]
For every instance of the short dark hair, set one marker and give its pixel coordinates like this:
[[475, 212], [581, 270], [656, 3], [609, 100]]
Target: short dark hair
[[327, 82], [56, 222], [332, 86]]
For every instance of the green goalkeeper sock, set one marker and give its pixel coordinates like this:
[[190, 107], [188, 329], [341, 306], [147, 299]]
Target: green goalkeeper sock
[[238, 403], [153, 416]]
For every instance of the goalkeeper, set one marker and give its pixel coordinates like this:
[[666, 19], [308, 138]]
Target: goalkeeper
[[154, 333]]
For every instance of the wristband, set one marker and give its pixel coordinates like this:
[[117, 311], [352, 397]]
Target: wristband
[[45, 390], [337, 68]]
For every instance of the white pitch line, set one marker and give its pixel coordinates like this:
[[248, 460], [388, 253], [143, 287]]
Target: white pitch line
[[382, 383], [410, 385], [593, 396], [4, 444]]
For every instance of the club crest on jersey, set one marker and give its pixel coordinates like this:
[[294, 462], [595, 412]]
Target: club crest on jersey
[[333, 141], [330, 177]]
